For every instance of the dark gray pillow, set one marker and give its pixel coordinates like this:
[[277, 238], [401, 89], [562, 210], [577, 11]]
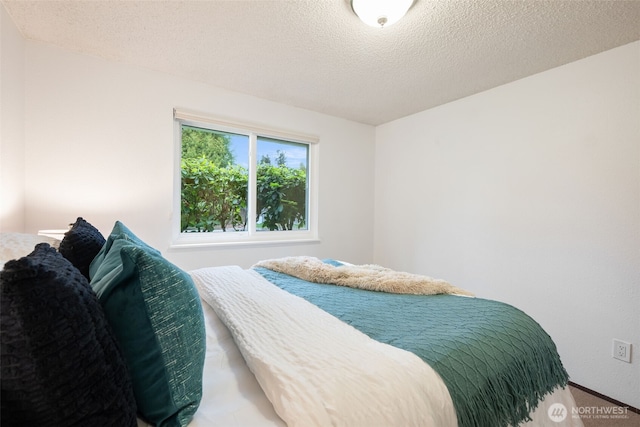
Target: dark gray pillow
[[81, 244], [60, 364]]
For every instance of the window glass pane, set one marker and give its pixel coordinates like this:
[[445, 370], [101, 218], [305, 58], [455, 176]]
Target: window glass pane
[[214, 180], [282, 185]]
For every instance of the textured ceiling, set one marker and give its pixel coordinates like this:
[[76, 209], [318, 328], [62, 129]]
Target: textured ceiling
[[318, 55]]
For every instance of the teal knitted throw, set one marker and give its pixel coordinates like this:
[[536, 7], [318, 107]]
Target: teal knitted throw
[[496, 361]]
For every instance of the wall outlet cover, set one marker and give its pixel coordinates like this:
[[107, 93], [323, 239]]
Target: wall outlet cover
[[622, 350]]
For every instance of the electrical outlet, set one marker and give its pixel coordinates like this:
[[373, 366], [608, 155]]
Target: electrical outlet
[[622, 350]]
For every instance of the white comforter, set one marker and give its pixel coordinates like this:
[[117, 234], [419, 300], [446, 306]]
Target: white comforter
[[315, 369]]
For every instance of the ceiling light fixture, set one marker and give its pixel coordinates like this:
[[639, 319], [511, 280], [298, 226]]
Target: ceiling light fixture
[[380, 13]]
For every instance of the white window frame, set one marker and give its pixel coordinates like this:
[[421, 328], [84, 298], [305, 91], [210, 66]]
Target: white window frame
[[251, 236]]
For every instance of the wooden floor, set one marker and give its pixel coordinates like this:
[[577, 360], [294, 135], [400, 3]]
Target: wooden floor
[[598, 416]]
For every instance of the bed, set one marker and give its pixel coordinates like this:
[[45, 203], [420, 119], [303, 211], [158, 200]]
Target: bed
[[295, 341]]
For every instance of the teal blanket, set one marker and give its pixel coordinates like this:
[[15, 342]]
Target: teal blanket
[[496, 361]]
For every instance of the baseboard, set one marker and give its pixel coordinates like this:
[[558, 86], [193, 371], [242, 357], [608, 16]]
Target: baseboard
[[603, 397]]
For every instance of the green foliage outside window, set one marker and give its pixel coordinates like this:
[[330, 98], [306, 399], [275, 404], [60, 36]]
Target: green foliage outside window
[[282, 195], [214, 189], [213, 196]]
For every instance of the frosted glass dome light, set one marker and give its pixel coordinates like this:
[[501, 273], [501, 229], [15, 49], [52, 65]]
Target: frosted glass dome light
[[380, 13]]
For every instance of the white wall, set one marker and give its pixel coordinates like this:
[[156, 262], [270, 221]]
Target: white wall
[[11, 125], [100, 144], [530, 193]]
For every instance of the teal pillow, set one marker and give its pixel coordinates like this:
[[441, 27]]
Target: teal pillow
[[155, 312], [119, 231]]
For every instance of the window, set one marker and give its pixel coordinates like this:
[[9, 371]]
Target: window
[[239, 183]]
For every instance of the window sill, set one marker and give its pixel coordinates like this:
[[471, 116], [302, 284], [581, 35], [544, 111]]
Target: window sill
[[179, 245]]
